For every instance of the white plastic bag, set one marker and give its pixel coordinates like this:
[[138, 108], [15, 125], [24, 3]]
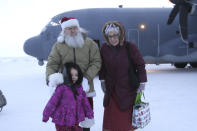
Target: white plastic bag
[[141, 113]]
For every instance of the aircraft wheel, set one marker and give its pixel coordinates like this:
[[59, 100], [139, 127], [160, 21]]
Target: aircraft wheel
[[193, 64], [180, 65]]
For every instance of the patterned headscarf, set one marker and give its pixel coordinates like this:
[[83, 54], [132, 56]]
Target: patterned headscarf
[[111, 27]]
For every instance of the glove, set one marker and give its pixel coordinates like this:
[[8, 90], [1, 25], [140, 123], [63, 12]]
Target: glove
[[87, 123], [141, 88], [85, 85], [103, 86]]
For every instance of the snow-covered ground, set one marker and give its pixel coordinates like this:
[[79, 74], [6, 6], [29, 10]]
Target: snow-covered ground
[[171, 92]]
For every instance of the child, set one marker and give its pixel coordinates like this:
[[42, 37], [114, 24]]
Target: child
[[69, 105]]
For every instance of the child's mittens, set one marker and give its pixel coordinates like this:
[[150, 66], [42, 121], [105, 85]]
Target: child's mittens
[[87, 123], [85, 85]]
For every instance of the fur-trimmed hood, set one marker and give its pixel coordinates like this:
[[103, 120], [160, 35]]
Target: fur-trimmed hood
[[58, 78], [122, 31]]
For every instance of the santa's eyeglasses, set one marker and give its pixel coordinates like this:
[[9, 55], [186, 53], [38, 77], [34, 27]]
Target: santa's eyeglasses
[[71, 28]]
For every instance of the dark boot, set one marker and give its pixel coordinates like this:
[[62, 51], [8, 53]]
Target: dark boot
[[86, 129]]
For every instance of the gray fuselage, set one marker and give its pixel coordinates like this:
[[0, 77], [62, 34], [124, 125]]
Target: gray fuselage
[[158, 42]]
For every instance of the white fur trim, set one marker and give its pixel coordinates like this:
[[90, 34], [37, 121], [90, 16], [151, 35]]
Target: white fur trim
[[82, 30], [91, 94], [87, 123], [51, 90], [60, 39], [85, 85], [56, 79], [69, 23]]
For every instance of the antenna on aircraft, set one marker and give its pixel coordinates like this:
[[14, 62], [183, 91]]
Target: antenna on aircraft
[[120, 6]]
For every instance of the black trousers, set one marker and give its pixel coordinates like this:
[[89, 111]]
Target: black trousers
[[86, 129], [91, 103]]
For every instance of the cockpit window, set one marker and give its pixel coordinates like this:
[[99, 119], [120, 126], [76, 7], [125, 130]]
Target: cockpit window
[[54, 23]]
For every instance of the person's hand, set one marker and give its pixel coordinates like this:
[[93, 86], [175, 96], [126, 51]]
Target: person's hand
[[87, 123], [85, 85], [103, 86], [141, 88]]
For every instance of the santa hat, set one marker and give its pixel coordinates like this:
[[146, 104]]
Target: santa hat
[[68, 22]]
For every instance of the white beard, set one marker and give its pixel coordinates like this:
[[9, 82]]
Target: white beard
[[74, 41]]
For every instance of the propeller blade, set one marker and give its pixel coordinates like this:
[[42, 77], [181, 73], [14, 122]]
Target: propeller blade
[[184, 10], [173, 14], [178, 2]]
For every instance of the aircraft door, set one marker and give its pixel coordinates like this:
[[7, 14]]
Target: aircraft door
[[133, 36]]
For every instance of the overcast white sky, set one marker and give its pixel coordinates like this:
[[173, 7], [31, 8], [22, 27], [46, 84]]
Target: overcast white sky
[[22, 19]]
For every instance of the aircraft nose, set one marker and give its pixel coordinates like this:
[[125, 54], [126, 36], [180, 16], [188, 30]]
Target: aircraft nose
[[33, 47]]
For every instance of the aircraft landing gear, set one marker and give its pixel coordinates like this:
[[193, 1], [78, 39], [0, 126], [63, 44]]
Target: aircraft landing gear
[[193, 64], [180, 65]]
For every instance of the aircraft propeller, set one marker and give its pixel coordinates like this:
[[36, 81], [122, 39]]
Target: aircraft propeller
[[184, 7]]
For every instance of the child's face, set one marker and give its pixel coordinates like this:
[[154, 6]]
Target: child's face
[[74, 75]]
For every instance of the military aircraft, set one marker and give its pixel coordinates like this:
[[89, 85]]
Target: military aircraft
[[155, 31]]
